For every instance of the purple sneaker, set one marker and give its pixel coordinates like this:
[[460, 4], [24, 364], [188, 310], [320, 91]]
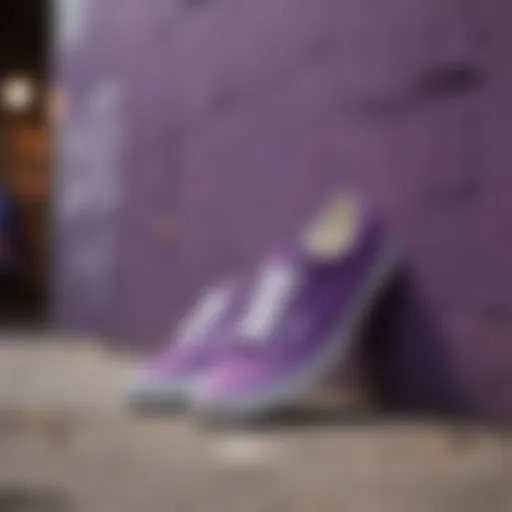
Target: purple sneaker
[[306, 307], [167, 379]]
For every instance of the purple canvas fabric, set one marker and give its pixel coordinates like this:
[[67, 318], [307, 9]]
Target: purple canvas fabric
[[243, 115]]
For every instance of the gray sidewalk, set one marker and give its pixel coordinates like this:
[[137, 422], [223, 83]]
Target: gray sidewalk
[[64, 431]]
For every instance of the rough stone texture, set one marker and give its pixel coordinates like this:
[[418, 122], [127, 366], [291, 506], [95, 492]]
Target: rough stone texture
[[68, 444], [240, 116]]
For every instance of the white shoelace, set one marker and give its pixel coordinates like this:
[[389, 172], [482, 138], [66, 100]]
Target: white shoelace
[[277, 285], [204, 314]]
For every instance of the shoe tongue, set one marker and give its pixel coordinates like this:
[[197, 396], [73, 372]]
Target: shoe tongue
[[335, 234]]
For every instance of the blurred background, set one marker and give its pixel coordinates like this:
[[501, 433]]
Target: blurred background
[[150, 147]]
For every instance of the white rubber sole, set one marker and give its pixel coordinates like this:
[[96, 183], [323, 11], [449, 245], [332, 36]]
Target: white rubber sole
[[294, 387]]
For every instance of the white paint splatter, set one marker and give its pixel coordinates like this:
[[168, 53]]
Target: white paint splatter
[[71, 20], [89, 156], [88, 186]]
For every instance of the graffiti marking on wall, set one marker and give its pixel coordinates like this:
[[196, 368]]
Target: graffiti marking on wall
[[89, 189]]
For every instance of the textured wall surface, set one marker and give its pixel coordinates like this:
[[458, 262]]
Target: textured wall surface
[[215, 127]]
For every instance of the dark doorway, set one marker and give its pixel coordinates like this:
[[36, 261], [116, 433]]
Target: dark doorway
[[24, 172]]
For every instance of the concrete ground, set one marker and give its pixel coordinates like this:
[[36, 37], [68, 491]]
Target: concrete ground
[[68, 444]]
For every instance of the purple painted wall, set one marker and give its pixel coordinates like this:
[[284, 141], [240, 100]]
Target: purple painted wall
[[226, 122]]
